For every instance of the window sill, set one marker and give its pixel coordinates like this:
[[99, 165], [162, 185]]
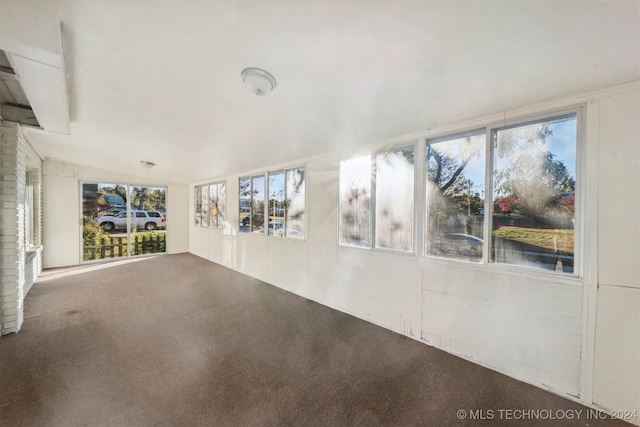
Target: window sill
[[33, 249], [509, 270]]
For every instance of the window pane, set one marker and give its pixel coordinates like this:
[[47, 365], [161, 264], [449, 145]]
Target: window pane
[[534, 194], [198, 208], [355, 192], [222, 203], [245, 204], [394, 199], [295, 203], [257, 204], [148, 222], [213, 205], [205, 205], [455, 196], [104, 226], [276, 203]]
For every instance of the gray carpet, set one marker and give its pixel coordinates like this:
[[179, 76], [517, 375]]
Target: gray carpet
[[180, 341]]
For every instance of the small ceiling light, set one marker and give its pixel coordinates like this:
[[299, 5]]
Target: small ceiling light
[[147, 164], [258, 81]]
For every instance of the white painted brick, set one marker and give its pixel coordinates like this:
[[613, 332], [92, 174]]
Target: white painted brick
[[10, 312], [9, 326]]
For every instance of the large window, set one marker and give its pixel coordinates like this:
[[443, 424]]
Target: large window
[[529, 210], [122, 220], [393, 181]]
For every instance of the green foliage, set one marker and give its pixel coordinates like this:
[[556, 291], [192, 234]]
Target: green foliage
[[91, 231]]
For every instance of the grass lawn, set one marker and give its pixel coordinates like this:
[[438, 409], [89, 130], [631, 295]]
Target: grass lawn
[[553, 239]]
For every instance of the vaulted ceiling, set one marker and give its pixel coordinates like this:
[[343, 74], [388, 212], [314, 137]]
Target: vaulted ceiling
[[160, 80]]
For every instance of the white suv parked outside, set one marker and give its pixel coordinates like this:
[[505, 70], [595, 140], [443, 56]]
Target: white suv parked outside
[[148, 220]]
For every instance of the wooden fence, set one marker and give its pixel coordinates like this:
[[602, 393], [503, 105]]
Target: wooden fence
[[113, 247]]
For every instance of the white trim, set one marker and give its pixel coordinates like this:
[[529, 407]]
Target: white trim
[[590, 222]]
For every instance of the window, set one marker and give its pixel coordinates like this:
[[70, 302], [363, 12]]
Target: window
[[282, 212], [252, 204], [197, 197], [394, 193], [210, 203], [295, 204], [355, 194], [205, 206], [455, 195], [217, 197], [394, 199], [528, 217], [276, 204], [30, 210], [122, 220], [287, 203], [534, 190]]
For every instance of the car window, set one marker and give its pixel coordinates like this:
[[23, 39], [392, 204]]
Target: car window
[[140, 215]]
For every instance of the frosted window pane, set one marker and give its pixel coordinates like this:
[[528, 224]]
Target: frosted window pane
[[355, 193], [394, 199], [295, 203]]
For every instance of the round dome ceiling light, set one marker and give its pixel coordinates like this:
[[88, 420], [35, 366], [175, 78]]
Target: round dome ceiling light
[[258, 80]]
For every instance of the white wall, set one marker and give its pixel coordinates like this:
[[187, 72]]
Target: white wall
[[617, 334], [62, 201], [560, 333]]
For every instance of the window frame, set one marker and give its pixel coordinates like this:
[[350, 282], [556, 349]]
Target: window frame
[[491, 127]]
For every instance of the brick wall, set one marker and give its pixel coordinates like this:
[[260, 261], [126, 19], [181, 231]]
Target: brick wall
[[20, 260]]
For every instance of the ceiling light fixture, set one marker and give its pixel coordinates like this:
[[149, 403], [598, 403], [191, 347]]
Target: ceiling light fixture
[[147, 164], [258, 81]]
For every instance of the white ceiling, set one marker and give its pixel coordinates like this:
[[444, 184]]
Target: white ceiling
[[160, 80]]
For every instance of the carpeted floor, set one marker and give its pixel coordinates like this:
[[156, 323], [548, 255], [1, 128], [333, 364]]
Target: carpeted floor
[[180, 341]]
